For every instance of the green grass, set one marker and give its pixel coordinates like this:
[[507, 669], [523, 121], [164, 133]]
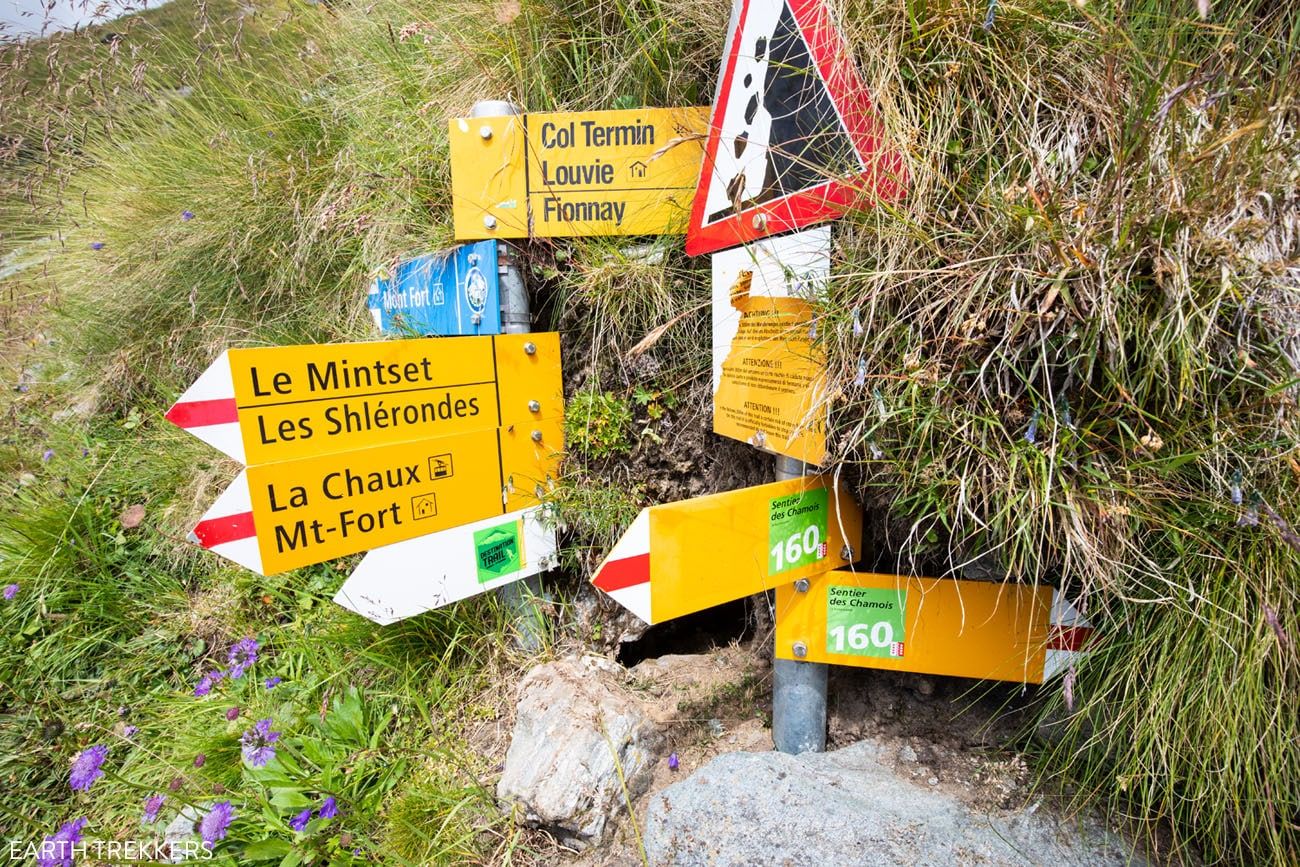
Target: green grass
[[1096, 244]]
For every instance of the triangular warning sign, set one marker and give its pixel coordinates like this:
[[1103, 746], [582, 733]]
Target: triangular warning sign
[[794, 139]]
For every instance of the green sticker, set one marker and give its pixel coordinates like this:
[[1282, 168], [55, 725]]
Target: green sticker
[[796, 530], [497, 551], [865, 621]]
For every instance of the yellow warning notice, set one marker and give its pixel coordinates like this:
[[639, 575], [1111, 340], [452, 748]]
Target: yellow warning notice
[[566, 174], [300, 401], [770, 390], [927, 625], [315, 509]]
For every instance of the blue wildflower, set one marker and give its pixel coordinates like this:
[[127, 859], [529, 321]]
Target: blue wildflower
[[299, 822], [97, 245], [186, 216], [152, 805], [1031, 435], [87, 768], [49, 453], [205, 684], [242, 656], [257, 749], [673, 764], [329, 808], [11, 590], [216, 822], [273, 682], [59, 848]]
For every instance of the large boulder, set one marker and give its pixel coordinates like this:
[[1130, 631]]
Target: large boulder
[[581, 750], [849, 807]]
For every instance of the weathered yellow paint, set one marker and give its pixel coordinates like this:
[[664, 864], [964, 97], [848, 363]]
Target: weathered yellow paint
[[569, 174], [771, 390], [315, 509], [301, 401], [714, 549], [952, 627]]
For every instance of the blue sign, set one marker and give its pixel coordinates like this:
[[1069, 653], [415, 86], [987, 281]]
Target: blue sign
[[441, 294]]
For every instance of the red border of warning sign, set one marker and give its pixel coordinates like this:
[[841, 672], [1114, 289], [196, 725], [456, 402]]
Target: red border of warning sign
[[885, 174]]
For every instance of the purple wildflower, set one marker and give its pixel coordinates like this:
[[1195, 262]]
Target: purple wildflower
[[129, 731], [242, 656], [328, 809], [858, 330], [673, 764], [85, 453], [200, 759], [152, 805], [232, 714], [1031, 435], [59, 848], [87, 768], [175, 784], [299, 822], [49, 453], [205, 684], [214, 824], [186, 216], [257, 749], [11, 590], [96, 245], [273, 682], [23, 387]]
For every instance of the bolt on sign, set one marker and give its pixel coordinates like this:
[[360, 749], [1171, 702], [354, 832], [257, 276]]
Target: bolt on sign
[[768, 375], [284, 402], [794, 138], [352, 447], [454, 564], [980, 629], [575, 174], [683, 557], [450, 294]]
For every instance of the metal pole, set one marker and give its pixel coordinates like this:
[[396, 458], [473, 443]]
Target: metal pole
[[798, 688], [516, 318]]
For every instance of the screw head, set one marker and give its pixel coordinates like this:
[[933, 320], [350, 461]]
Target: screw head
[[489, 221], [801, 585], [846, 553], [800, 649], [485, 132], [534, 406], [759, 221], [537, 436], [530, 348]]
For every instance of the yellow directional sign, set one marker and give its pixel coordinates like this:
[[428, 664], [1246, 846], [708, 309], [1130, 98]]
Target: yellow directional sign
[[564, 174], [684, 557], [996, 631], [315, 509], [286, 402]]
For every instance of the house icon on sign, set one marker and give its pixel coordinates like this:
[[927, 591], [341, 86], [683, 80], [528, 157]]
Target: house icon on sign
[[637, 169]]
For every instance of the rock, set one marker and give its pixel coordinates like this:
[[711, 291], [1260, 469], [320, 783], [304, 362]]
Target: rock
[[578, 741], [848, 807]]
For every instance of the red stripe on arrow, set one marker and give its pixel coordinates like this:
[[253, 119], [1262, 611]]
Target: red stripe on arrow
[[627, 572], [228, 528], [1068, 637], [201, 413]]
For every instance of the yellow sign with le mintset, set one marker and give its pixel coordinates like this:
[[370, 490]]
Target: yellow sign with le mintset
[[300, 401]]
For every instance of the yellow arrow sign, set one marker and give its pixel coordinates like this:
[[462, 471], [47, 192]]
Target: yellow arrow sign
[[684, 557], [315, 509], [995, 631], [564, 174], [287, 402]]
